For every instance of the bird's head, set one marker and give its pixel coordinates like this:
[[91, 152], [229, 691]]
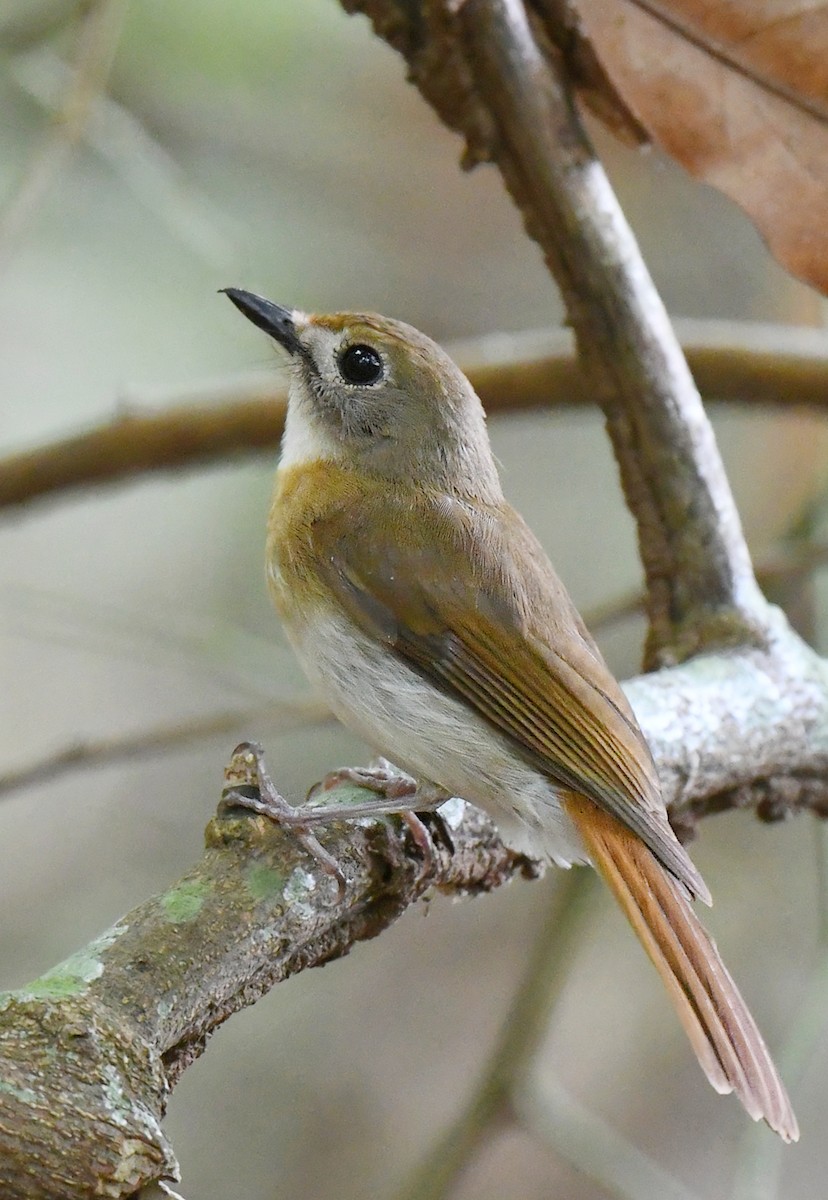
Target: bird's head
[[379, 396]]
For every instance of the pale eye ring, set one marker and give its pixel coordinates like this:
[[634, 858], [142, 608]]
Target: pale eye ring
[[360, 364]]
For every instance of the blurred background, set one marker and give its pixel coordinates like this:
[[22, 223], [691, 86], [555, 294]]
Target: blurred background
[[279, 148]]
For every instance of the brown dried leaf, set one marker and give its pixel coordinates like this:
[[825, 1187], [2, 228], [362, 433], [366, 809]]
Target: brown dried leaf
[[737, 92]]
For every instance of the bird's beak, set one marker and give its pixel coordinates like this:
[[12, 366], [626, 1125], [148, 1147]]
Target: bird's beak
[[270, 317]]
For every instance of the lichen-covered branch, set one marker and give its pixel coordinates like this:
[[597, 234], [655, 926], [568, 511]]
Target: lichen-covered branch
[[740, 729], [88, 1051], [741, 362]]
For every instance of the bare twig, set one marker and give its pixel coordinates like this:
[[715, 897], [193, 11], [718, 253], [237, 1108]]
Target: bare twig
[[521, 1033], [214, 422], [785, 566], [83, 756], [700, 585], [778, 574], [23, 29], [789, 564], [140, 161], [133, 444], [100, 33], [592, 1147]]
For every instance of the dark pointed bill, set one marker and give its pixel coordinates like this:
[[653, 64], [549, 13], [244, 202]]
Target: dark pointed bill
[[272, 318]]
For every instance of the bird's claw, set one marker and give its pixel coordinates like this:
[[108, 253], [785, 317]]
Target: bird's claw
[[250, 786], [382, 778]]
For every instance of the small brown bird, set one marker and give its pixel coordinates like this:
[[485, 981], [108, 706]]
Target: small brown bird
[[432, 621]]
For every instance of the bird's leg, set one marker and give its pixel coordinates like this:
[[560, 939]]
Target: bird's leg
[[396, 793], [392, 786], [381, 777], [264, 798]]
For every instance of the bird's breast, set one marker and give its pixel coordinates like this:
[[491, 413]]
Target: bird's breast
[[302, 496]]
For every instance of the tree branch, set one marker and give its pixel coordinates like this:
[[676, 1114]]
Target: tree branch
[[481, 65], [88, 1051], [96, 1041], [732, 730], [751, 364], [783, 571]]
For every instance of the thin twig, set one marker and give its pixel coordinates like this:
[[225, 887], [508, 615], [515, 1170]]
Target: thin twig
[[139, 160], [759, 1165], [295, 714], [285, 715], [133, 444], [592, 1147], [98, 41], [21, 30], [521, 1032], [219, 420]]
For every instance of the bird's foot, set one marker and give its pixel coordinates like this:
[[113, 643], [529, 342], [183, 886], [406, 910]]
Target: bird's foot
[[264, 798], [395, 791], [382, 777]]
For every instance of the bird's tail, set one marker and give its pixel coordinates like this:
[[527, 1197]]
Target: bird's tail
[[716, 1019]]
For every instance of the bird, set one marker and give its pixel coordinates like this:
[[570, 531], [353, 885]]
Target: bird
[[427, 613]]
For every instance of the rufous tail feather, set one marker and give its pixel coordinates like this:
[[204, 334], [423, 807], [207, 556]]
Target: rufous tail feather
[[721, 1030]]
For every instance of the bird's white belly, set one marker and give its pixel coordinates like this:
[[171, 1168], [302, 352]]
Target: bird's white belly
[[434, 737]]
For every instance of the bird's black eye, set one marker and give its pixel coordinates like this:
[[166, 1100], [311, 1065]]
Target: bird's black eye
[[360, 364]]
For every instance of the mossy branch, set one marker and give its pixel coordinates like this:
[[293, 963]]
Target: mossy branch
[[88, 1051]]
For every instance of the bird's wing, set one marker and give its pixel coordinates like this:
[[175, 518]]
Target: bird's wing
[[469, 599]]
